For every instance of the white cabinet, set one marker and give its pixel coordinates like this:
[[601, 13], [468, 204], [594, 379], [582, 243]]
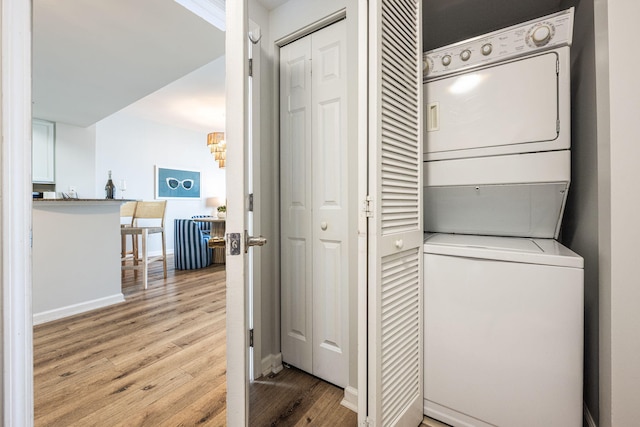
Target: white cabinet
[[43, 151]]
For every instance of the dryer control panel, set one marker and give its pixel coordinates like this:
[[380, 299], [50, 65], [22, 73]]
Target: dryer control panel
[[545, 33]]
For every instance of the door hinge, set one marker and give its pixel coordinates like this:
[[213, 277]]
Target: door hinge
[[250, 337], [251, 202], [367, 207], [558, 126], [557, 66], [250, 67]]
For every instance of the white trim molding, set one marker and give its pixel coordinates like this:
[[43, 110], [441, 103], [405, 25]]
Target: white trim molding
[[350, 400], [15, 199], [70, 310], [271, 364], [212, 11]]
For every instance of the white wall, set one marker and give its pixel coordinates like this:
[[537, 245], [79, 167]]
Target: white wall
[[76, 159], [618, 103], [76, 254], [130, 147]]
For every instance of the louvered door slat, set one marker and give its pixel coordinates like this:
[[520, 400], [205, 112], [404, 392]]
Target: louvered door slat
[[395, 344]]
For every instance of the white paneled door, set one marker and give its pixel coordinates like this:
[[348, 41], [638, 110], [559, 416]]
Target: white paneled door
[[236, 130], [314, 173]]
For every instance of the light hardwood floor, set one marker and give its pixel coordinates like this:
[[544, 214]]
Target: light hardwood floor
[[159, 360]]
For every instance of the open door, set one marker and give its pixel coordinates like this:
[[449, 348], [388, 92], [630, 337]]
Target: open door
[[237, 240], [395, 225]]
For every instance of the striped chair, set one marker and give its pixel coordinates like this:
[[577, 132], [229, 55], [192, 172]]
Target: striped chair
[[204, 226], [191, 250]]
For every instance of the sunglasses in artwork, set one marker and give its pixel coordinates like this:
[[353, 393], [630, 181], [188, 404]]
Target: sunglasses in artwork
[[174, 183]]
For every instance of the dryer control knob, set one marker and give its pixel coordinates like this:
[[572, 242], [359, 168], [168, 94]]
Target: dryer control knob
[[541, 35], [446, 60], [465, 55], [486, 49]]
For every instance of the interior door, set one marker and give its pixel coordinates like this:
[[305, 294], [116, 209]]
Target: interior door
[[330, 205], [296, 203], [395, 227], [236, 262], [314, 192]]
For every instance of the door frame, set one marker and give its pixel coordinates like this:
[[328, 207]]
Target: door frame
[[17, 319], [17, 340], [352, 396], [236, 129], [307, 354], [363, 222], [254, 51]]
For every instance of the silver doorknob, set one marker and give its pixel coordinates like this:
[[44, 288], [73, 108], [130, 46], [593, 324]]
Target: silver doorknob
[[253, 241]]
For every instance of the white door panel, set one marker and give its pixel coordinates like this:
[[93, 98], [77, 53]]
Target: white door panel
[[329, 168], [296, 203], [236, 130], [314, 194]]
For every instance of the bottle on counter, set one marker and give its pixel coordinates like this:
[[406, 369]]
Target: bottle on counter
[[110, 189]]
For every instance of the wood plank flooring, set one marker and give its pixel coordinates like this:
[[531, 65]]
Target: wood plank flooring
[[297, 399], [429, 422], [158, 359]]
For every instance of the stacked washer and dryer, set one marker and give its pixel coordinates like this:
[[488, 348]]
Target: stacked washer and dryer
[[503, 299]]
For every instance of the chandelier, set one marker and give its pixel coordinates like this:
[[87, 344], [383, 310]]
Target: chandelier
[[218, 147]]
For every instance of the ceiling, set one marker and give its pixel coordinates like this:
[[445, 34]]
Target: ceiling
[[160, 61], [93, 58], [271, 4]]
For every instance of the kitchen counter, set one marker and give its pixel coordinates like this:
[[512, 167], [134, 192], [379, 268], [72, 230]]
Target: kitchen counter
[[70, 201], [76, 256]]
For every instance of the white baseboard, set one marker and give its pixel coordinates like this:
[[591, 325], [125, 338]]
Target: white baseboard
[[350, 400], [70, 310], [271, 364], [588, 419], [159, 253]]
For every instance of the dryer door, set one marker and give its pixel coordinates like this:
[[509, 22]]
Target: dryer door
[[507, 108]]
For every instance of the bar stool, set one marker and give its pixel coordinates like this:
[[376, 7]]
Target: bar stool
[[127, 211], [147, 211]]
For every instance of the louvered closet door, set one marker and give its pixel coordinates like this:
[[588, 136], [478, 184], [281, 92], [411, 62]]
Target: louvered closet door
[[395, 229]]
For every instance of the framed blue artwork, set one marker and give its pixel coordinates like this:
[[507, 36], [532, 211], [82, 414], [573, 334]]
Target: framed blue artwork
[[177, 183]]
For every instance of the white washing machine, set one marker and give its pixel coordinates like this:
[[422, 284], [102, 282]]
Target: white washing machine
[[503, 300], [503, 321]]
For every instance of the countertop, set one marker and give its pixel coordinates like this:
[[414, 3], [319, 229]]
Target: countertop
[[73, 201]]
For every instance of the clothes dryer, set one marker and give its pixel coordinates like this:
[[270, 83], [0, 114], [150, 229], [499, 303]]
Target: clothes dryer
[[497, 131]]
